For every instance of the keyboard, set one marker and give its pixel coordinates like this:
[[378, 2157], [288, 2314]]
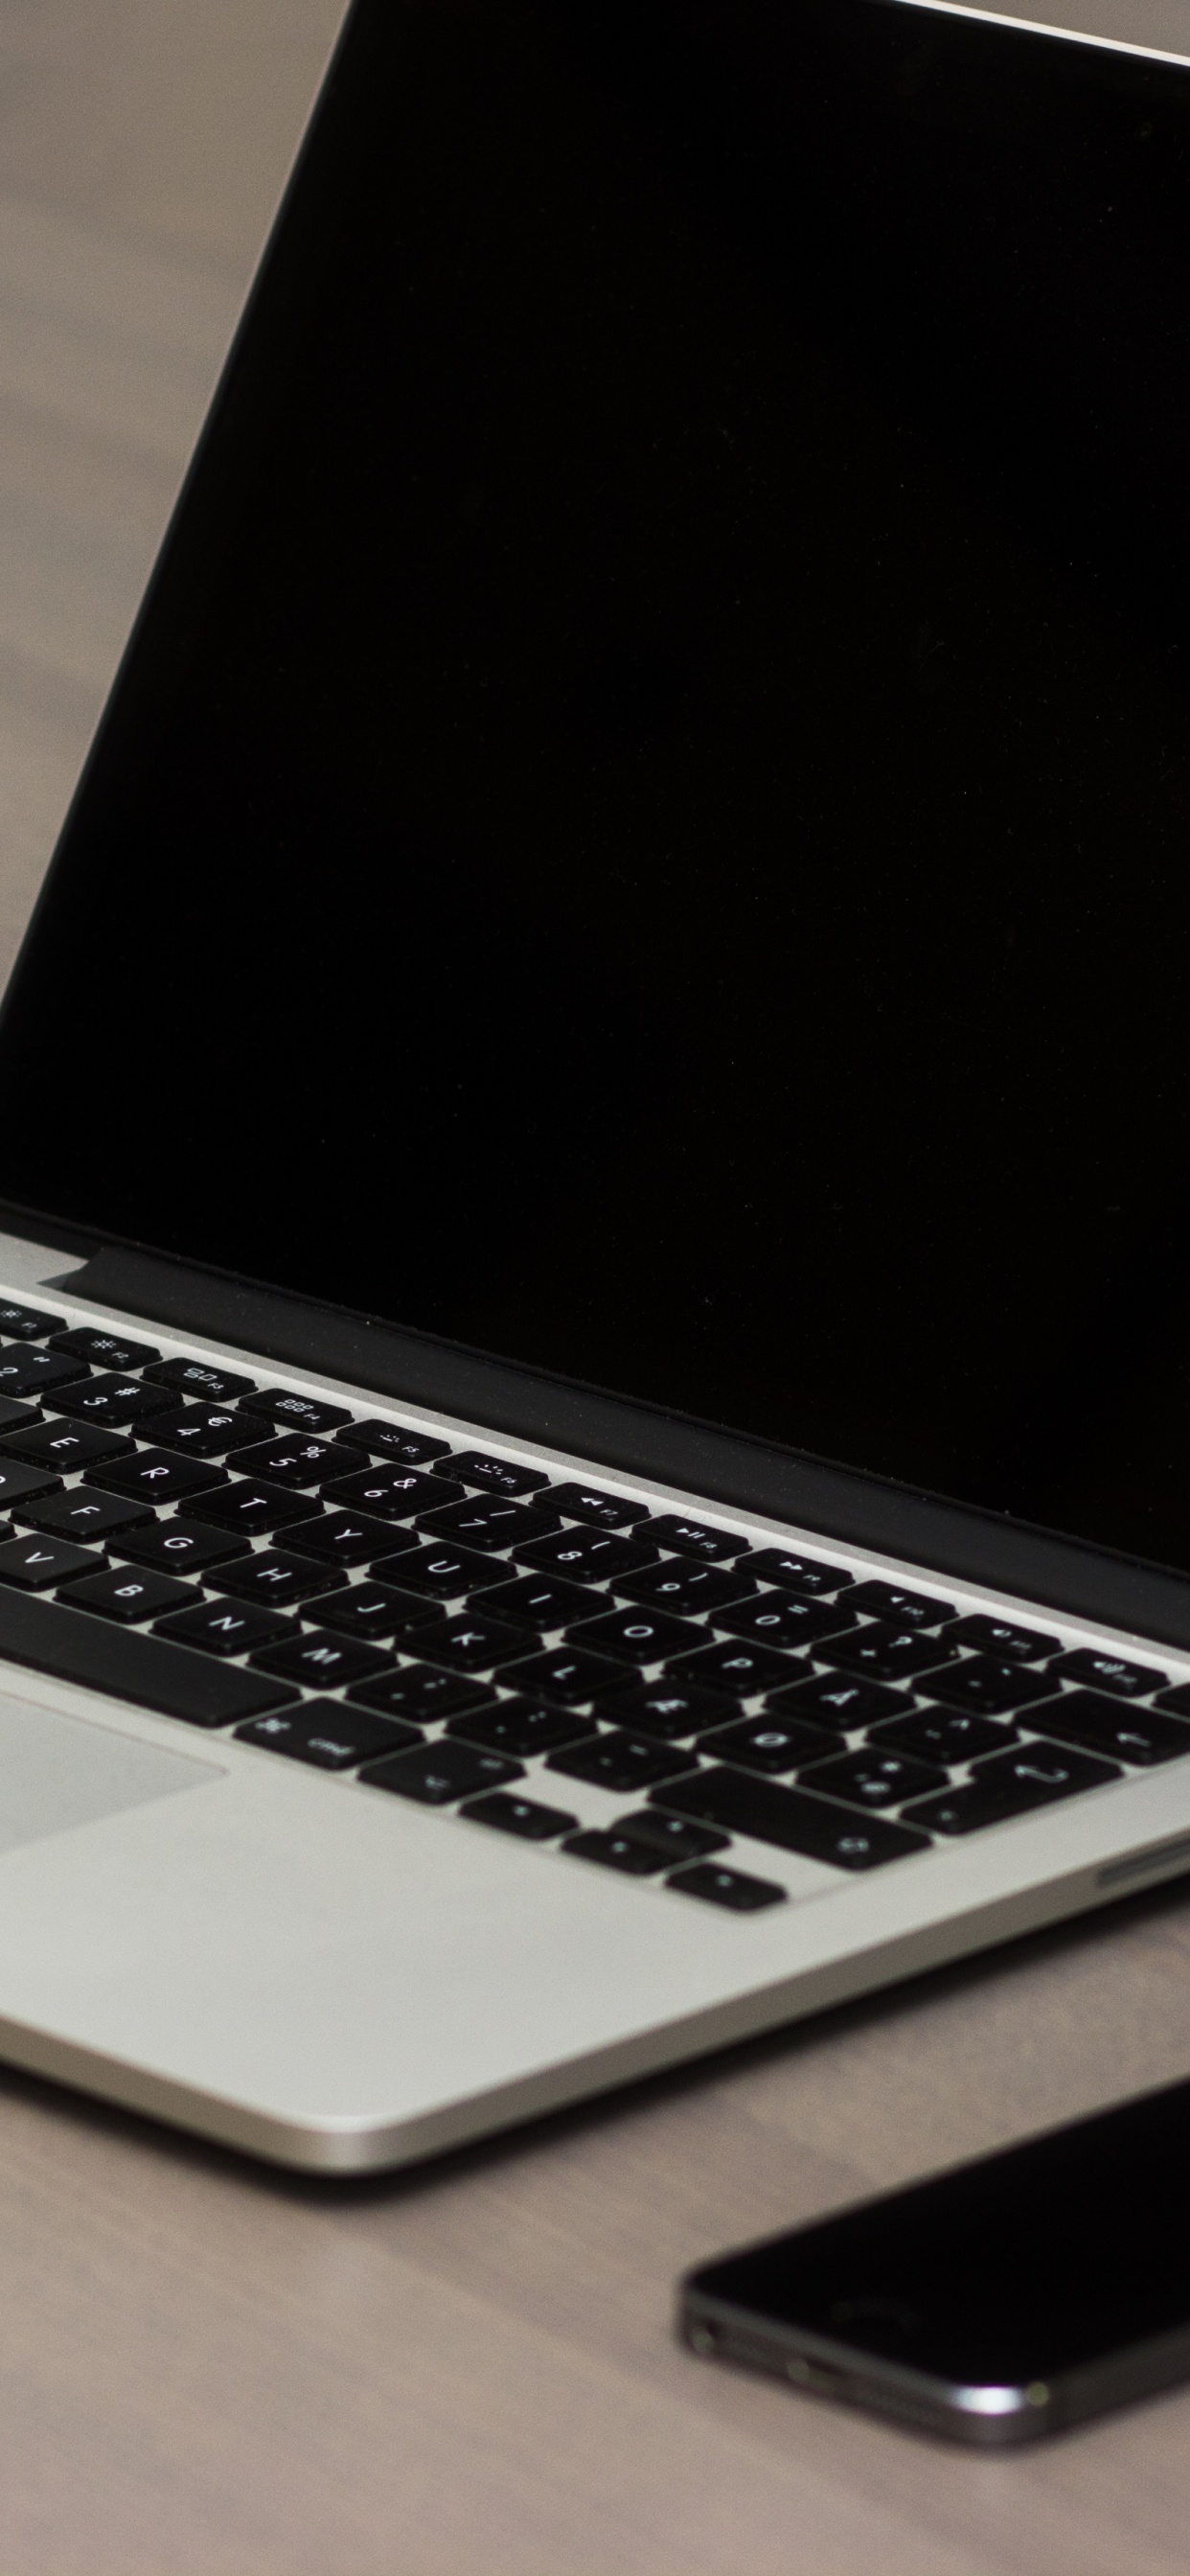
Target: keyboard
[[446, 1624]]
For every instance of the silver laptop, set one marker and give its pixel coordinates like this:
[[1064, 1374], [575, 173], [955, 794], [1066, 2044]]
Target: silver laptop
[[594, 1373]]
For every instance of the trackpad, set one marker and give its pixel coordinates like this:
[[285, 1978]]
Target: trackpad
[[60, 1771]]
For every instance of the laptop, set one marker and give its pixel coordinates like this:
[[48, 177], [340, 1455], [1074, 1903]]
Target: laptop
[[594, 1364]]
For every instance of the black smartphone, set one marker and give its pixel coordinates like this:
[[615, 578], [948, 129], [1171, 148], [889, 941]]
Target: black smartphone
[[997, 2302]]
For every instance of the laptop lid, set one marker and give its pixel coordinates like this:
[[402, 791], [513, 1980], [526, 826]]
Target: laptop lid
[[642, 829]]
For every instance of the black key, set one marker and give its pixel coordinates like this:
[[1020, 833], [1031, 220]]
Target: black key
[[635, 1636], [780, 1619], [694, 1538], [1107, 1672], [668, 1709], [26, 1323], [986, 1683], [902, 1609], [684, 1587], [1177, 1699], [605, 1511], [374, 1610], [888, 1654], [29, 1372], [539, 1601], [422, 1692], [833, 1699], [564, 1673], [395, 1440], [104, 1349], [521, 1816], [766, 1744], [343, 1538], [120, 1593], [294, 1461], [205, 1379], [79, 1514], [874, 1779], [616, 1851], [65, 1446], [395, 1493], [150, 1672], [673, 1835], [471, 1642], [154, 1476], [488, 1521], [794, 1819], [441, 1572], [437, 1774], [321, 1660], [733, 1667], [793, 1573], [1140, 1735], [1010, 1784], [590, 1556], [17, 1417], [251, 1508], [496, 1475], [522, 1726], [944, 1735], [200, 1430], [294, 1412], [179, 1546], [622, 1762], [329, 1734], [38, 1563], [115, 1403], [225, 1627], [990, 1636], [19, 1484], [272, 1574], [731, 1888]]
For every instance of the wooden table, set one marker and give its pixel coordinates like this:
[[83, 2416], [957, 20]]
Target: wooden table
[[205, 2367]]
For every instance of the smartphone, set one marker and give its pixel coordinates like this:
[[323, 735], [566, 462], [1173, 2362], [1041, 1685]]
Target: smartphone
[[994, 2303]]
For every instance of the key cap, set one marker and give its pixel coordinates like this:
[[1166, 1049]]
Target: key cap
[[696, 1538], [321, 1660], [794, 1819], [902, 1609], [65, 1446], [539, 1601], [685, 1587], [731, 1888], [793, 1573], [1092, 1719], [391, 1493], [888, 1654], [673, 1835], [19, 1485], [17, 1417], [437, 1774], [206, 1379], [488, 1521], [180, 1546], [766, 1744], [621, 1762], [1177, 1699], [26, 1323], [225, 1627], [1106, 1672], [471, 1642], [589, 1556], [199, 1430], [343, 1538], [26, 1371], [615, 1851], [272, 1574], [120, 1593], [833, 1699], [147, 1671], [496, 1475], [987, 1683], [422, 1692], [374, 1611], [99, 1344], [990, 1636], [635, 1636], [741, 1670], [567, 1674], [668, 1709], [781, 1619], [296, 1463], [947, 1736], [873, 1779], [115, 1403], [521, 1726], [78, 1514], [251, 1508], [155, 1476], [292, 1411], [440, 1572], [521, 1816], [328, 1734], [604, 1511], [38, 1563], [396, 1440], [1011, 1784]]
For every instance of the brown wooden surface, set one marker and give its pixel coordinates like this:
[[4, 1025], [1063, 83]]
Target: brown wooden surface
[[204, 2367]]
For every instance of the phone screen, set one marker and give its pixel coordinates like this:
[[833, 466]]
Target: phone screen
[[1012, 2274]]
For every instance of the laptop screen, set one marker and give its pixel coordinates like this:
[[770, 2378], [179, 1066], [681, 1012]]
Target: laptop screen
[[645, 827]]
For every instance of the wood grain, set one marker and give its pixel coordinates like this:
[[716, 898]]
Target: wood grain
[[207, 2368]]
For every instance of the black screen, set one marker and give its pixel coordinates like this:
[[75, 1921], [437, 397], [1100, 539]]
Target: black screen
[[644, 829]]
